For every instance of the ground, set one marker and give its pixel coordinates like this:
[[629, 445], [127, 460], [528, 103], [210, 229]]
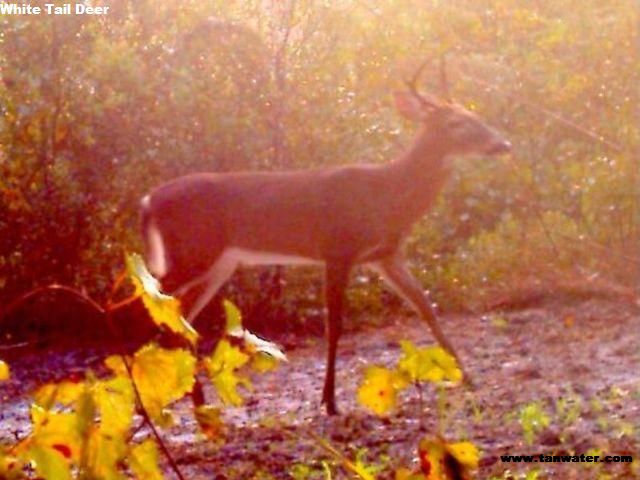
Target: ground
[[579, 361]]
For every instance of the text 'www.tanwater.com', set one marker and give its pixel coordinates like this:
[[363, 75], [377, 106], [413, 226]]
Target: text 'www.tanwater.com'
[[545, 458]]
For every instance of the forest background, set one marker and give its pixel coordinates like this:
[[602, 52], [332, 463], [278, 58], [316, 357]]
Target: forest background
[[96, 110]]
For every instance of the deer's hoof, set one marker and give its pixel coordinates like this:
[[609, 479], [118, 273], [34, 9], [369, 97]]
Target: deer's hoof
[[468, 383], [330, 406], [332, 409]]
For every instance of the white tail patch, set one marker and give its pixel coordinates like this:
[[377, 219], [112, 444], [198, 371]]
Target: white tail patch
[[157, 254]]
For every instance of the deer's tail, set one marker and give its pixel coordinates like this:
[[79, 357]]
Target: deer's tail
[[154, 245]]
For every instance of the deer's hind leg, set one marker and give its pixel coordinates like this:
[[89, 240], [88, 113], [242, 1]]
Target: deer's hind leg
[[214, 278], [395, 272]]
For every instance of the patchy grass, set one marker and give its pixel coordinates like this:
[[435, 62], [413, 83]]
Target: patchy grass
[[577, 364]]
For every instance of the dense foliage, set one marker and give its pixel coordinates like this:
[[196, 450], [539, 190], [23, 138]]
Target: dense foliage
[[97, 109], [89, 426]]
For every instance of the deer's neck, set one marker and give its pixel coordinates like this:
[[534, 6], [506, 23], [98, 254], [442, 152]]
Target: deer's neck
[[418, 176]]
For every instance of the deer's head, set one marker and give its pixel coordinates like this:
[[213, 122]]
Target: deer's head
[[457, 130]]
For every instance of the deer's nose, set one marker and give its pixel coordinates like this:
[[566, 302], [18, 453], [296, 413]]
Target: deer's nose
[[500, 147]]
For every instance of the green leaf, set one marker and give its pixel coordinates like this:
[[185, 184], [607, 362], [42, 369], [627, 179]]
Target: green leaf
[[533, 419]]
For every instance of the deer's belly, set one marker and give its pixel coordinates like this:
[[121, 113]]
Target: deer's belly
[[244, 256]]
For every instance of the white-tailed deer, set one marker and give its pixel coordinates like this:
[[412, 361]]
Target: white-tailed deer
[[200, 227]]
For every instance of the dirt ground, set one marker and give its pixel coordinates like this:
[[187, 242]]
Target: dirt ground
[[580, 361]]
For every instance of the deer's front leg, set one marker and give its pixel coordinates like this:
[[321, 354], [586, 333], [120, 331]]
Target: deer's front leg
[[337, 274], [395, 272]]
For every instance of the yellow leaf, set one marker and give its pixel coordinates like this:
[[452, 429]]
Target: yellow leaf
[[262, 362], [447, 461], [264, 354], [252, 343], [432, 460], [162, 376], [64, 393], [403, 474], [58, 430], [103, 456], [379, 389], [163, 309], [466, 453], [208, 418], [233, 316], [406, 474], [362, 470], [115, 400], [446, 363], [327, 471], [49, 462], [116, 365], [432, 364], [143, 460], [166, 419], [85, 411], [10, 466], [4, 371], [222, 366]]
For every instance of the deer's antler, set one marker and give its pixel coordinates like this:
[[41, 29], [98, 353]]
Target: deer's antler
[[444, 81], [427, 101]]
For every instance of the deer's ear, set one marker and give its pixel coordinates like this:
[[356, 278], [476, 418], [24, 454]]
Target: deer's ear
[[411, 107], [408, 106]]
